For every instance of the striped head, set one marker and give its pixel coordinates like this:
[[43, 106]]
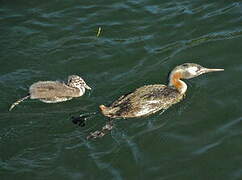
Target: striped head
[[77, 82]]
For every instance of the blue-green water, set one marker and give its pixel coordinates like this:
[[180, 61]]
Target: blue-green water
[[140, 42]]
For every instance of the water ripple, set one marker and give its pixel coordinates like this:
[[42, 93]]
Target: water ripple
[[140, 42]]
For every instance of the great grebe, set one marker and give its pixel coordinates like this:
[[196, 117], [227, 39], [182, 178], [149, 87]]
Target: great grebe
[[149, 99], [55, 91]]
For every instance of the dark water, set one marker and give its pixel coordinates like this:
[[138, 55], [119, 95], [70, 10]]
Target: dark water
[[140, 42]]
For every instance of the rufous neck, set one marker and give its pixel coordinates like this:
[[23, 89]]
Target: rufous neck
[[175, 81]]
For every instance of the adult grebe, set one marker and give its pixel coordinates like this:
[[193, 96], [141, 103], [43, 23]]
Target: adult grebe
[[55, 91], [149, 99]]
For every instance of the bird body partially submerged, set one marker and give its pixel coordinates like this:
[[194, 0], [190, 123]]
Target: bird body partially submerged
[[149, 99], [55, 91]]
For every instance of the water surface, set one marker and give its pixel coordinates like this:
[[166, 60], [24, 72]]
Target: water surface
[[140, 42]]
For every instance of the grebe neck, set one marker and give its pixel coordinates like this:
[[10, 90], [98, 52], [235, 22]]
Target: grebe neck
[[175, 81], [81, 90]]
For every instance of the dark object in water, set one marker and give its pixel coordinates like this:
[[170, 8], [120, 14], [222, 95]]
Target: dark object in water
[[80, 120], [105, 129]]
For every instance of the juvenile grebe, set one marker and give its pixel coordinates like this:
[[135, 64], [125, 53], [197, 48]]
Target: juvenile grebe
[[149, 99], [55, 91]]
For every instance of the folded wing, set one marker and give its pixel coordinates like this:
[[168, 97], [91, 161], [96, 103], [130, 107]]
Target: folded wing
[[144, 101]]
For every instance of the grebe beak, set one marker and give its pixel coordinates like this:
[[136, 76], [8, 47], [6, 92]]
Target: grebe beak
[[87, 87], [206, 70]]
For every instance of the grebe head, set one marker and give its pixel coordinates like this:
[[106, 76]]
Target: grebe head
[[77, 82], [191, 70], [186, 71]]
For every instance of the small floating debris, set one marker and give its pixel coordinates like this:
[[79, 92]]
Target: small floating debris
[[99, 31]]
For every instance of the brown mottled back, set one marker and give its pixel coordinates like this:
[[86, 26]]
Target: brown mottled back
[[143, 101]]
